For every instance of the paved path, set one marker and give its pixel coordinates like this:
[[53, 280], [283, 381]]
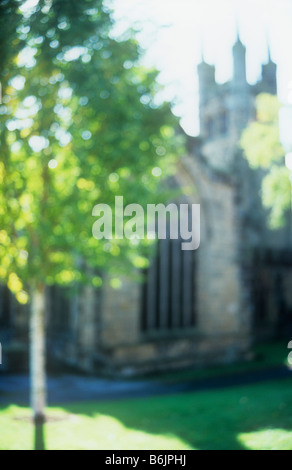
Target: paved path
[[73, 388]]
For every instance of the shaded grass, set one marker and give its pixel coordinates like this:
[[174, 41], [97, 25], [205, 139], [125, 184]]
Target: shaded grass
[[251, 417], [265, 356]]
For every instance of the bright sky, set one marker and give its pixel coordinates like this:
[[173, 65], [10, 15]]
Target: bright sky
[[173, 32]]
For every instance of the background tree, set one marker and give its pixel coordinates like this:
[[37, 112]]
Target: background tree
[[262, 147], [82, 124]]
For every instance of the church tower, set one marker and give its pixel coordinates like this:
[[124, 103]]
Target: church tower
[[240, 99], [269, 75], [226, 109], [239, 64], [207, 86]]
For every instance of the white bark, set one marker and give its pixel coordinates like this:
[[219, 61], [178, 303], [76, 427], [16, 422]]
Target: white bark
[[37, 353], [88, 327]]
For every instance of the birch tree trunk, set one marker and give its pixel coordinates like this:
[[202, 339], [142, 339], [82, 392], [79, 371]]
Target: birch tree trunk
[[37, 353]]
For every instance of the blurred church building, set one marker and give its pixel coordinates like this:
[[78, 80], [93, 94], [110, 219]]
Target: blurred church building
[[196, 307]]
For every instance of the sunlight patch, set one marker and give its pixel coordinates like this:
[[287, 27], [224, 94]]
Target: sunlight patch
[[269, 439]]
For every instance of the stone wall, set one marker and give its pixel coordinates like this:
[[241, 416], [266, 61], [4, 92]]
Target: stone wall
[[223, 328]]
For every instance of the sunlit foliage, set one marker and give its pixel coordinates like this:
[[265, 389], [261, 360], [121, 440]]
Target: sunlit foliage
[[262, 147], [80, 123]]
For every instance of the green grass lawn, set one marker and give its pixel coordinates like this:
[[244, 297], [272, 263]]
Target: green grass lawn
[[251, 417]]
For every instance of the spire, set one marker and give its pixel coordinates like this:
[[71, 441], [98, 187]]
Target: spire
[[237, 31], [239, 59], [238, 44], [269, 54], [268, 44], [202, 53], [269, 71], [202, 49], [269, 48]]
